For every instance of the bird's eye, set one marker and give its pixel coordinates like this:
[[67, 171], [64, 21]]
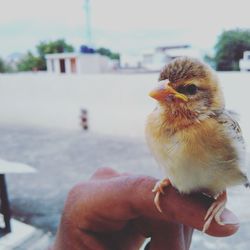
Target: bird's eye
[[191, 89], [181, 89]]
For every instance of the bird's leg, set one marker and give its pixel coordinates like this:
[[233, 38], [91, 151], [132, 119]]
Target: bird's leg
[[215, 211], [159, 189]]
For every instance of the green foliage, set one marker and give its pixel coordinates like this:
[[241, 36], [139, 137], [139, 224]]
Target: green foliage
[[2, 66], [5, 67], [108, 53], [210, 60], [230, 47], [115, 56], [30, 62], [58, 46], [9, 68]]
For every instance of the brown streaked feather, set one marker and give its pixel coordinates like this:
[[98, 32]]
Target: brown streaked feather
[[231, 124], [184, 69]]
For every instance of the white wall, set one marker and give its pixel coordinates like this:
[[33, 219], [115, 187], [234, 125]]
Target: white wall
[[117, 104], [93, 63]]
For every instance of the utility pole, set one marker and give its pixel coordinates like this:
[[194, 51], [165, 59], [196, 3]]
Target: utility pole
[[88, 31]]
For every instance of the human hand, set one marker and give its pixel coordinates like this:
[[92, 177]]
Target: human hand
[[115, 211]]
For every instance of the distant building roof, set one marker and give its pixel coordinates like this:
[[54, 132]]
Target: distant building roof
[[162, 55], [183, 52], [170, 47]]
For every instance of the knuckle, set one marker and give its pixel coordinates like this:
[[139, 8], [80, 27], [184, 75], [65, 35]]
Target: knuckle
[[145, 183], [76, 191], [104, 172], [141, 191]]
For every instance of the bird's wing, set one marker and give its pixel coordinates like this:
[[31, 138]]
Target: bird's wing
[[227, 119]]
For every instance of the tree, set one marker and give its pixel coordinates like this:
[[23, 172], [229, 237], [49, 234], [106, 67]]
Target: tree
[[58, 46], [108, 53], [30, 62], [5, 67], [230, 47], [2, 66]]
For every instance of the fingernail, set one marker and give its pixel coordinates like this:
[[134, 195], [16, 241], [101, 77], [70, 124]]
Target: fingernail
[[228, 217]]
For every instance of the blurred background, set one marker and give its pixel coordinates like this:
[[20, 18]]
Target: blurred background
[[74, 83]]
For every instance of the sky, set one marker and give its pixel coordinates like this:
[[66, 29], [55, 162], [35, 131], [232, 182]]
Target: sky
[[129, 26]]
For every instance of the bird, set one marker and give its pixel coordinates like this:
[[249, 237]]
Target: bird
[[195, 140]]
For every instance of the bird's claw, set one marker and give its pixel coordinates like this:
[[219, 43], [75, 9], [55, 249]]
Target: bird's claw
[[159, 189], [215, 211]]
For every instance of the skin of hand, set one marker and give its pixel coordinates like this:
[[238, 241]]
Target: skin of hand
[[116, 211]]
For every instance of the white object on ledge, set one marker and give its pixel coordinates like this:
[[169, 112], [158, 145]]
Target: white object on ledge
[[7, 167], [244, 63]]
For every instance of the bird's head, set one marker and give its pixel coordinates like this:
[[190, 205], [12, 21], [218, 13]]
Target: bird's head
[[188, 90]]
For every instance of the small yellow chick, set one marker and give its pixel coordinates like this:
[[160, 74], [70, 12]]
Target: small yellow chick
[[193, 138]]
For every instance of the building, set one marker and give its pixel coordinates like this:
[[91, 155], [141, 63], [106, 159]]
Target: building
[[78, 63], [156, 60], [244, 63], [130, 61]]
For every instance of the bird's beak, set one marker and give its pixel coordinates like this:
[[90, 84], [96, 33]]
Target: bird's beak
[[164, 92]]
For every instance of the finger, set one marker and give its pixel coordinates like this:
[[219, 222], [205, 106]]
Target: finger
[[127, 238], [168, 236], [104, 173], [186, 209], [110, 203], [165, 235]]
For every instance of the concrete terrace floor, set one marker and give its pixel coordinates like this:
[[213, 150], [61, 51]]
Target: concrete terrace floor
[[63, 158]]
